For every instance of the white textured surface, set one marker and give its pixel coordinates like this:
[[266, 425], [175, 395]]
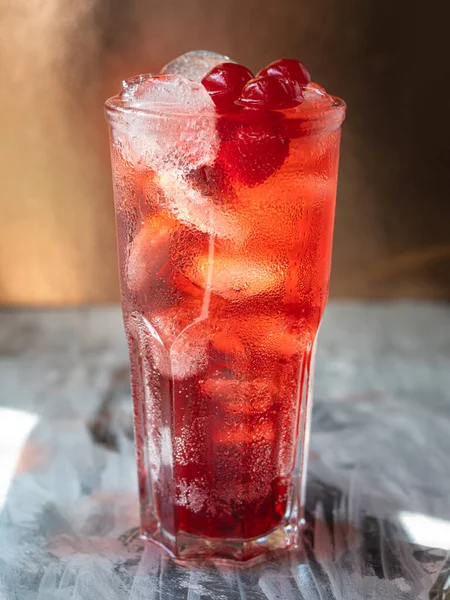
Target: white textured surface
[[379, 470]]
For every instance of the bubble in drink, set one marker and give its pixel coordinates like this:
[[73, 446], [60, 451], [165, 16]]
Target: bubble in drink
[[195, 65], [183, 136]]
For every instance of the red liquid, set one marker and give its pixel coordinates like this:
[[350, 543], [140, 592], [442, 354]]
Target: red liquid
[[222, 304], [232, 443]]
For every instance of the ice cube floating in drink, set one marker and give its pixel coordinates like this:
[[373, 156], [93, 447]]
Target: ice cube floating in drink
[[225, 187]]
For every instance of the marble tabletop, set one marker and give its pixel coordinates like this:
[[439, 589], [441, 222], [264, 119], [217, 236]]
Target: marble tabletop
[[378, 486]]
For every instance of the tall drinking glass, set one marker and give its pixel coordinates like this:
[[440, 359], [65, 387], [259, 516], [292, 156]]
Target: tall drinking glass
[[224, 228]]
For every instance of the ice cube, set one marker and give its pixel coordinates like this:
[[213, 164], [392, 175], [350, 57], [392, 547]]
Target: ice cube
[[195, 65], [193, 208], [175, 341], [259, 433], [171, 123], [130, 86], [241, 397], [149, 254], [268, 335], [314, 97], [236, 276]]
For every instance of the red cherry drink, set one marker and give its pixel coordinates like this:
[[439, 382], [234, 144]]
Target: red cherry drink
[[225, 188]]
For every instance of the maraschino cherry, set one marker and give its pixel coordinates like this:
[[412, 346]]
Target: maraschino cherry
[[253, 146], [287, 67], [224, 84], [271, 93]]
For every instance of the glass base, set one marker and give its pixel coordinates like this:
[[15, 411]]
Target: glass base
[[185, 546]]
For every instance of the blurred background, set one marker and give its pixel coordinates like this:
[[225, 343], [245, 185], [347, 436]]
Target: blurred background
[[60, 60]]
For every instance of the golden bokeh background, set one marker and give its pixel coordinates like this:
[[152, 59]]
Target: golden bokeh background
[[60, 60]]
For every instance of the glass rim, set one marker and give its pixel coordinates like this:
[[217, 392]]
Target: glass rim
[[115, 106]]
